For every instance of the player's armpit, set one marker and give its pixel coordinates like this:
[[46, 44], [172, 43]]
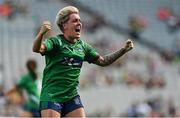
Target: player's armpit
[[99, 61]]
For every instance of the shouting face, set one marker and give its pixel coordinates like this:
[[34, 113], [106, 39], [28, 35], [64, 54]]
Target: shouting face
[[73, 27]]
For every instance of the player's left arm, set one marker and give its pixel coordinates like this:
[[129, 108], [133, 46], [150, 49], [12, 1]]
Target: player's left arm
[[110, 58]]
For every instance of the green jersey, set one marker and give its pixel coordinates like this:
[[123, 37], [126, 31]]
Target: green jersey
[[28, 84], [62, 70]]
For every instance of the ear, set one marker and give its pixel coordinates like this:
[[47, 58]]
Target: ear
[[65, 26]]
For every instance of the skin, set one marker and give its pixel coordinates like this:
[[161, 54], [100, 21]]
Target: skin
[[71, 35], [50, 113], [73, 23]]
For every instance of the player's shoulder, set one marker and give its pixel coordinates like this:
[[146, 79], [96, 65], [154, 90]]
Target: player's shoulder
[[82, 42], [57, 39], [53, 37], [23, 79], [25, 76]]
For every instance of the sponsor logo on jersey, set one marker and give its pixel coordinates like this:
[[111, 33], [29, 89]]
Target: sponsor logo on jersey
[[71, 62]]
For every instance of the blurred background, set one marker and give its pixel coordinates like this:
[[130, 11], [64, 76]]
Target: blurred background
[[144, 83]]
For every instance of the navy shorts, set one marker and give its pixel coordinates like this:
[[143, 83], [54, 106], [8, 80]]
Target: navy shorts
[[62, 108]]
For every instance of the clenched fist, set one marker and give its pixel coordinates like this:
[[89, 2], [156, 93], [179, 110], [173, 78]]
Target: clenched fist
[[129, 45], [45, 27]]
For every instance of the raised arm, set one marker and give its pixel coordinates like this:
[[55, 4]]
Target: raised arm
[[110, 58], [44, 32]]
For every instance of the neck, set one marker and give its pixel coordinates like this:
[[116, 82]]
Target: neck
[[33, 74], [70, 39]]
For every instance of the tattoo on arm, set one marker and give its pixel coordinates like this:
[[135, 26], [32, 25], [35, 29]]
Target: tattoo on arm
[[110, 58]]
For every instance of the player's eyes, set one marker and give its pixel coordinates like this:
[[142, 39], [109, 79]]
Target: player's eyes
[[76, 20]]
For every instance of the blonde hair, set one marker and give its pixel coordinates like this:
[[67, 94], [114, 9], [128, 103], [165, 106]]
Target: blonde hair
[[63, 15]]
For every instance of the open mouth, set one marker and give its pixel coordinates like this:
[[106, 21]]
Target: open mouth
[[77, 30]]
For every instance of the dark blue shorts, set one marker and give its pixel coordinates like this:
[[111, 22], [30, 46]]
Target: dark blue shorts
[[62, 108]]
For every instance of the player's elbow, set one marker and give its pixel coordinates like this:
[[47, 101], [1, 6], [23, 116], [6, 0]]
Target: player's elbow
[[35, 50]]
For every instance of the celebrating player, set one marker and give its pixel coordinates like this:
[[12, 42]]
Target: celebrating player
[[64, 55]]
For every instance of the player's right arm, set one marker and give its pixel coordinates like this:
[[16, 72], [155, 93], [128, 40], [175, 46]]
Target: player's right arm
[[38, 47]]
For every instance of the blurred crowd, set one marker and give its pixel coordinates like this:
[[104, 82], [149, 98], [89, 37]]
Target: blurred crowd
[[153, 107], [122, 74], [10, 9], [136, 25], [170, 18]]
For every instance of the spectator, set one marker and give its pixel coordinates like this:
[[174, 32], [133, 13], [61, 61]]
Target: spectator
[[163, 13], [27, 83], [137, 24], [5, 9]]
